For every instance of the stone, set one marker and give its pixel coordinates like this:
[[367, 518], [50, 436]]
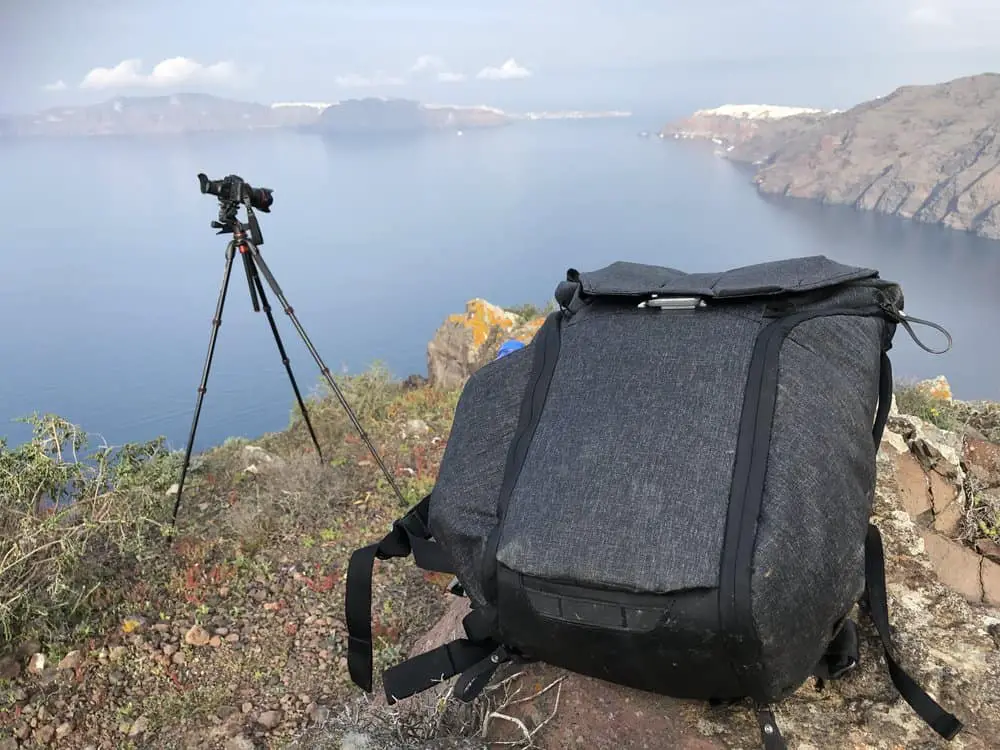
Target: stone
[[982, 459], [139, 726], [197, 636], [914, 490], [10, 668], [416, 427], [991, 582], [957, 566], [936, 388], [270, 719], [72, 660], [467, 341], [64, 730], [44, 734], [36, 664], [239, 742], [988, 549]]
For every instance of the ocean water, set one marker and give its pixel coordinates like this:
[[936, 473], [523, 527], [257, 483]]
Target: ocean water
[[111, 270]]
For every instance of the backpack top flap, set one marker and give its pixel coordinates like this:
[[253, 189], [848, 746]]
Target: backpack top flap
[[760, 280]]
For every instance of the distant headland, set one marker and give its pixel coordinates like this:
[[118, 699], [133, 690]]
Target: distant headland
[[191, 113], [928, 153]]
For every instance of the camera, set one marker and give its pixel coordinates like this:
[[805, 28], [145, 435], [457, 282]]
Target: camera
[[234, 189]]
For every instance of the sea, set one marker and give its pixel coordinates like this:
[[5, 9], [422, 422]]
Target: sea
[[111, 271]]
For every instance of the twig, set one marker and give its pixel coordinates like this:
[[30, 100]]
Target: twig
[[540, 692]]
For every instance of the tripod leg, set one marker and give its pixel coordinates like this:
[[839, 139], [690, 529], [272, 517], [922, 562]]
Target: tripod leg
[[251, 272], [262, 266], [255, 285], [202, 387]]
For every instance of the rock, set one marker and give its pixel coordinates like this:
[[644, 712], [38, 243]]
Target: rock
[[317, 714], [10, 668], [270, 719], [44, 734], [990, 574], [239, 742], [215, 641], [36, 664], [956, 565], [173, 489], [64, 730], [466, 342], [988, 549], [982, 461], [72, 660], [8, 743], [417, 427], [139, 726], [937, 388], [197, 636]]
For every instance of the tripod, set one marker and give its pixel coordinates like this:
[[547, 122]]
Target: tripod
[[246, 239]]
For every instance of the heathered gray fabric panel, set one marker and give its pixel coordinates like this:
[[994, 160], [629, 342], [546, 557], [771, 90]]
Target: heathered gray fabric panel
[[626, 482], [792, 275], [463, 508], [809, 558]]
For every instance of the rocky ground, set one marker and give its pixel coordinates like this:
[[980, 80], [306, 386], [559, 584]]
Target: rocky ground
[[232, 637]]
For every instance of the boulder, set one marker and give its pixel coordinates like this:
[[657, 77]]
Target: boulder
[[467, 341]]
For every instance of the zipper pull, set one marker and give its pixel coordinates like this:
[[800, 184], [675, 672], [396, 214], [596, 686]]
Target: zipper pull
[[672, 303], [898, 316]]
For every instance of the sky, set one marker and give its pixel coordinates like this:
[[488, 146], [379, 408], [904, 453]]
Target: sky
[[528, 53]]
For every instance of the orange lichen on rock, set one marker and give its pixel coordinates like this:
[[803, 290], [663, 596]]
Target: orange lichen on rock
[[938, 388], [482, 319]]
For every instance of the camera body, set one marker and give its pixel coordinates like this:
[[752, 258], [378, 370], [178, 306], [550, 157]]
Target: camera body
[[234, 189]]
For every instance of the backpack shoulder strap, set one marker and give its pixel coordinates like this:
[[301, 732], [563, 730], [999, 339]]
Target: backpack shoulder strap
[[409, 535], [875, 604]]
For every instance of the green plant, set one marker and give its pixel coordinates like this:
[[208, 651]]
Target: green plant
[[70, 516]]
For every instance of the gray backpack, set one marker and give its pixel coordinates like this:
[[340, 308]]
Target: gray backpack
[[669, 488]]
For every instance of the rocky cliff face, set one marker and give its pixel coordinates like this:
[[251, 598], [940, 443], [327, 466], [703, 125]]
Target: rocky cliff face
[[928, 153]]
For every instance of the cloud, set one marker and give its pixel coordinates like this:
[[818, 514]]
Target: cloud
[[929, 15], [358, 81], [59, 85], [170, 72], [509, 71], [432, 64], [428, 63]]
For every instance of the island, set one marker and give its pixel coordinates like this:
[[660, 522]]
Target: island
[[193, 113], [928, 153]]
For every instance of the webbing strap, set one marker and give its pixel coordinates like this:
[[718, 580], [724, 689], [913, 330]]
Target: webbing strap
[[884, 399], [876, 603], [409, 535], [475, 657], [841, 656]]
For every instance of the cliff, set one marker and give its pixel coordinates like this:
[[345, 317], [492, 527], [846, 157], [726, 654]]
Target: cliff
[[196, 113], [233, 637], [928, 153], [362, 116]]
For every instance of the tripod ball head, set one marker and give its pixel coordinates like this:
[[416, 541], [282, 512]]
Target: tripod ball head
[[234, 189]]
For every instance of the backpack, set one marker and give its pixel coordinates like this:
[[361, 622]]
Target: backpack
[[669, 488]]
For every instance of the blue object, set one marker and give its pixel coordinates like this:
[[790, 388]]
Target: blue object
[[509, 346]]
